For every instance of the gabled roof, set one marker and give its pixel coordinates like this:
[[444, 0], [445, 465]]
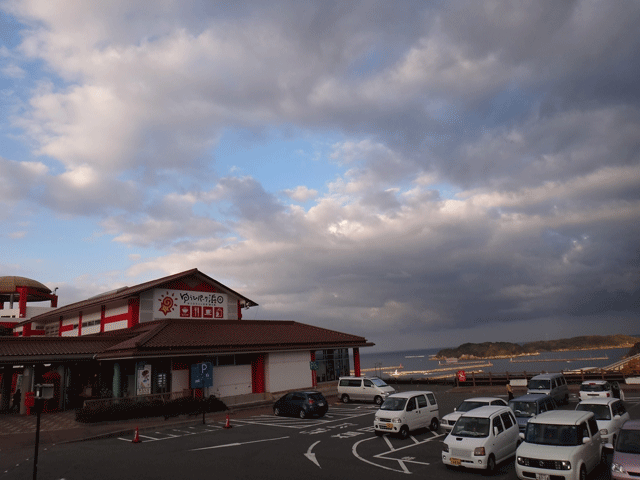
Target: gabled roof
[[183, 337], [52, 349], [194, 337], [128, 292]]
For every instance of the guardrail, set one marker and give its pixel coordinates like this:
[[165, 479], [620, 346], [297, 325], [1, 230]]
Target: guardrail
[[495, 378], [151, 398]]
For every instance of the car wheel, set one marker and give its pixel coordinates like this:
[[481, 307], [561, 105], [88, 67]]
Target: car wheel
[[491, 464], [378, 400], [404, 432], [276, 411], [303, 413], [345, 398], [435, 424], [583, 473]]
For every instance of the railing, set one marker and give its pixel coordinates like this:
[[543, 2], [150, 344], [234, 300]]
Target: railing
[[495, 378], [151, 398]]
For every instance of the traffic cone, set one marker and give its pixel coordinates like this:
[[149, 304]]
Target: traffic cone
[[227, 425], [136, 439]]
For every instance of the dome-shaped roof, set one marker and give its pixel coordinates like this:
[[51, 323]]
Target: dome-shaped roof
[[10, 285]]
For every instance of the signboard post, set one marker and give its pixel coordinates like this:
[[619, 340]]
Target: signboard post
[[202, 377]]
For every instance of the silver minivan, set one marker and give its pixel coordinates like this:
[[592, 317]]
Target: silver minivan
[[368, 389], [552, 384]]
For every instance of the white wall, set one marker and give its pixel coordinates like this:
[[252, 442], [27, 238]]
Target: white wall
[[230, 380], [179, 380], [287, 370]]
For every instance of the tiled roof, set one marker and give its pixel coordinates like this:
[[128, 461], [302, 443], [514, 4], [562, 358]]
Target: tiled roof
[[198, 336], [127, 292], [18, 349], [184, 337]]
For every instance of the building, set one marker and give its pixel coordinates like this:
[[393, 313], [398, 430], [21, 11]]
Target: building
[[162, 336]]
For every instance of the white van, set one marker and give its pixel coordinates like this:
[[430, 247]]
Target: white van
[[552, 384], [482, 438], [404, 412], [368, 389]]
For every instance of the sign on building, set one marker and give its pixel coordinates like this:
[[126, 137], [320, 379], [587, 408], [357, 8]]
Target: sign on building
[[143, 382], [188, 304], [202, 375]]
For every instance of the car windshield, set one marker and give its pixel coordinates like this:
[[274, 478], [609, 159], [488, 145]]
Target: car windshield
[[523, 409], [593, 387], [558, 435], [467, 405], [378, 382], [628, 441], [394, 404], [601, 412], [539, 385], [471, 427]]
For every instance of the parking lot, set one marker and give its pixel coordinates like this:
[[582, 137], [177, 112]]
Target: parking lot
[[261, 445]]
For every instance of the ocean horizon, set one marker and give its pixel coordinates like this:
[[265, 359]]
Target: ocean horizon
[[417, 363]]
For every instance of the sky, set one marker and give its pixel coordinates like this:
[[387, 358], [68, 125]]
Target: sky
[[423, 174]]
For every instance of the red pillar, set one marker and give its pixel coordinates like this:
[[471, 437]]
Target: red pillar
[[356, 362], [239, 311], [134, 312], [257, 375], [80, 323], [23, 301], [314, 377], [102, 310]]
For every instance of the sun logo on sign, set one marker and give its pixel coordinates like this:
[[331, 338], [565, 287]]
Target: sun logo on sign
[[167, 303]]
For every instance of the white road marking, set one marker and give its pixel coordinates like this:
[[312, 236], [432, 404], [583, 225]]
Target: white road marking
[[312, 456], [237, 444]]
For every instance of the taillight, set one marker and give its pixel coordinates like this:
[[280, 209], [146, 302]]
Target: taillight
[[311, 401]]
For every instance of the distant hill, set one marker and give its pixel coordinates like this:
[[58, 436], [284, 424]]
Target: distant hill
[[507, 349]]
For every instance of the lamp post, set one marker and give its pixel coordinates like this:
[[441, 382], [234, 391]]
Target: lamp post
[[42, 393]]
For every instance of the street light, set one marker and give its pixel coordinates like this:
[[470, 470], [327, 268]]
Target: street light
[[43, 392]]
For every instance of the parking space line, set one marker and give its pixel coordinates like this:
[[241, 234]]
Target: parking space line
[[237, 444]]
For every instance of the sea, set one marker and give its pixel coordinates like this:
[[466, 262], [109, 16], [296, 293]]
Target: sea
[[421, 364]]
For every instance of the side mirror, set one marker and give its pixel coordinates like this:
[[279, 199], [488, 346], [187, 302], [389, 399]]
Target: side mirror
[[521, 435], [586, 439], [608, 446], [495, 431]]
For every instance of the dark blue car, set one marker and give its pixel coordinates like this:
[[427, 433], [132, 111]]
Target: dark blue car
[[301, 404]]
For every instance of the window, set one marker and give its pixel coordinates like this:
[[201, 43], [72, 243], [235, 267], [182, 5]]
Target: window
[[412, 404], [497, 423], [368, 383], [432, 398], [593, 426], [422, 402], [507, 420]]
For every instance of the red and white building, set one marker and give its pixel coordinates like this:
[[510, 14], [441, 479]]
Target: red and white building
[[146, 339]]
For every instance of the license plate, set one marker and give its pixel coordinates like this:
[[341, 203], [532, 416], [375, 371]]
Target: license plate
[[455, 461], [321, 404], [542, 476], [389, 426]]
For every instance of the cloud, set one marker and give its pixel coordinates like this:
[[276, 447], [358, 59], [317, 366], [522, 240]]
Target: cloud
[[482, 156]]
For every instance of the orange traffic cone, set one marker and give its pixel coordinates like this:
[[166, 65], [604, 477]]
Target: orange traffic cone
[[136, 439], [227, 425]]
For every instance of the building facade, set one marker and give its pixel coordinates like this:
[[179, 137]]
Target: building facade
[[165, 336]]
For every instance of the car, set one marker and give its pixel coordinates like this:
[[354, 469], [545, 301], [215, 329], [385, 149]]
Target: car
[[372, 389], [552, 384], [626, 452], [449, 420], [559, 444], [610, 415], [302, 404], [482, 438], [600, 388], [526, 407], [404, 412]]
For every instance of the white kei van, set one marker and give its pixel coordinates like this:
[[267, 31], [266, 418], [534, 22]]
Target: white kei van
[[482, 438], [368, 389], [552, 384], [404, 412]]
